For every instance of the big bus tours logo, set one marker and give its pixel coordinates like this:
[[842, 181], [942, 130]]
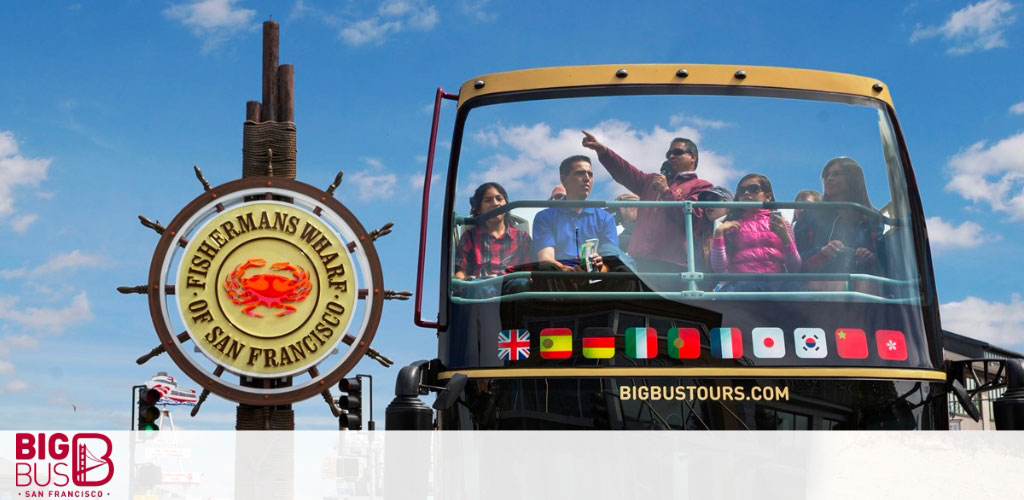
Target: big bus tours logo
[[54, 461]]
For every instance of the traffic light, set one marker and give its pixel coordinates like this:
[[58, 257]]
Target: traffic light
[[148, 412], [351, 403]]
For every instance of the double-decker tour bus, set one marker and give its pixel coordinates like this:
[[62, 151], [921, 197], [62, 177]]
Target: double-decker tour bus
[[680, 247]]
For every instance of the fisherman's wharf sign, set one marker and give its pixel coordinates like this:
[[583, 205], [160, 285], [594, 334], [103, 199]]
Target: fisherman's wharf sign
[[270, 280], [264, 289]]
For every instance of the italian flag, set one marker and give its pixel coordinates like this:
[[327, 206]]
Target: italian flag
[[642, 343], [726, 343], [599, 347], [555, 343]]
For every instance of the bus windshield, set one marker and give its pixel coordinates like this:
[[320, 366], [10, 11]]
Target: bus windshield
[[770, 231]]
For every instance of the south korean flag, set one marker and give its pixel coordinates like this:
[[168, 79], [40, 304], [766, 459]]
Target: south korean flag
[[810, 343]]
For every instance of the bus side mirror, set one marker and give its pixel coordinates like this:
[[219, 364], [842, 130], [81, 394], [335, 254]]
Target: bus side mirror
[[1009, 408], [965, 400]]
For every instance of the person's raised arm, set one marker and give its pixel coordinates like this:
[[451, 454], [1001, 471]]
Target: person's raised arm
[[621, 170]]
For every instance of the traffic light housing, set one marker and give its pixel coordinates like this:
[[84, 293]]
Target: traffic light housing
[[351, 404], [148, 411]]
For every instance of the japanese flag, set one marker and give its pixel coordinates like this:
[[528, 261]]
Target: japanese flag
[[769, 343]]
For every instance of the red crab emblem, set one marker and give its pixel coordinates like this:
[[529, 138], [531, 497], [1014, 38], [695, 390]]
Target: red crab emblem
[[267, 290]]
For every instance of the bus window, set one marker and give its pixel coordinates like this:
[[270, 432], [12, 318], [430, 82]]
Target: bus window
[[849, 264]]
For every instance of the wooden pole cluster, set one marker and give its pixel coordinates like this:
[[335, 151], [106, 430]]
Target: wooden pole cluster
[[269, 135], [278, 103]]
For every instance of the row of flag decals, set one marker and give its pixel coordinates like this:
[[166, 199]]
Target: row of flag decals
[[726, 343]]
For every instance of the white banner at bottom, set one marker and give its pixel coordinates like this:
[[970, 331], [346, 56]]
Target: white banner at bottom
[[499, 465]]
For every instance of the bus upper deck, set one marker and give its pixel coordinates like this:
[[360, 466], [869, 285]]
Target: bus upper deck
[[631, 228]]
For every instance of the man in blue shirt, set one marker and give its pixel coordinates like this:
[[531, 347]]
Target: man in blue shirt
[[559, 232]]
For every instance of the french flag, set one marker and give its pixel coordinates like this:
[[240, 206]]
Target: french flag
[[726, 343]]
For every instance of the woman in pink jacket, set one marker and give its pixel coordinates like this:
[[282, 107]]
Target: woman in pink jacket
[[755, 241]]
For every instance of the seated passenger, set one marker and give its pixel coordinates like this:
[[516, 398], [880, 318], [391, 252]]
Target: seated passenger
[[804, 195], [711, 216], [843, 240], [754, 240], [558, 233], [492, 247], [625, 217]]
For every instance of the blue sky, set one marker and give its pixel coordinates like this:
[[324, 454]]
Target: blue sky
[[104, 110]]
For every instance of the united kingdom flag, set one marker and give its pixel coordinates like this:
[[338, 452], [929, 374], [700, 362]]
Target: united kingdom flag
[[513, 345]]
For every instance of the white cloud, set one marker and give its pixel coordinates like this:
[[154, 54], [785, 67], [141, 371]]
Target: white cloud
[[371, 30], [6, 368], [393, 16], [70, 261], [21, 223], [1017, 109], [46, 320], [978, 26], [682, 119], [416, 181], [374, 183], [998, 323], [13, 386], [943, 235], [527, 165], [17, 171], [9, 343], [214, 21], [991, 174], [477, 9]]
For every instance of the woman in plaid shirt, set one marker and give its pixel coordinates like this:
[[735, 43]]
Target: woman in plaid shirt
[[493, 247]]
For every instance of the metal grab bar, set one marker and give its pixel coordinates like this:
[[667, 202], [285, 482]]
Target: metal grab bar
[[692, 277], [691, 295], [769, 205], [417, 317]]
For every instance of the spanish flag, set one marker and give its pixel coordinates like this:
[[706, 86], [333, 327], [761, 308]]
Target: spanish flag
[[555, 343], [599, 347]]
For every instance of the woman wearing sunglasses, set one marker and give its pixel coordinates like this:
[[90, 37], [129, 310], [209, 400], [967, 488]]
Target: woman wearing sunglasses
[[754, 240]]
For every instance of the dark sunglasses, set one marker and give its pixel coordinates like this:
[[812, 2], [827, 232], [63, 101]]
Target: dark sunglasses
[[675, 152], [749, 189], [558, 197]]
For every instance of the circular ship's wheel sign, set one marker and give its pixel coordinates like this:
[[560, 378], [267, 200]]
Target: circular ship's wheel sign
[[265, 289]]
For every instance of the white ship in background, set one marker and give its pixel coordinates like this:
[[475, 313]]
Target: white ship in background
[[171, 393]]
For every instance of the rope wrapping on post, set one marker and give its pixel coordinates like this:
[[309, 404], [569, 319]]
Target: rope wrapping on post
[[259, 418], [258, 138]]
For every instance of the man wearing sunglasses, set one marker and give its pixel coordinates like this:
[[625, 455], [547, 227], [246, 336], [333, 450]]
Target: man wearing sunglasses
[[659, 236]]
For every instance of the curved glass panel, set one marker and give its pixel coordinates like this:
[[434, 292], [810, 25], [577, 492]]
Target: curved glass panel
[[669, 248]]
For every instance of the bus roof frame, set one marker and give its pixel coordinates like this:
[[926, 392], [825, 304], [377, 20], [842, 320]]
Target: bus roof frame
[[724, 77]]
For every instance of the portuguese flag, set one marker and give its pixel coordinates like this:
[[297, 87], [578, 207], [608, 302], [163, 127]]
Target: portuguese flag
[[684, 343], [642, 343], [599, 347], [555, 343]]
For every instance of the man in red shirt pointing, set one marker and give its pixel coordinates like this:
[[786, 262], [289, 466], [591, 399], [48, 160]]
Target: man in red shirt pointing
[[659, 236]]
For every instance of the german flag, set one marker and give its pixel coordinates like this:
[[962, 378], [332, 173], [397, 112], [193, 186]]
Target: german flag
[[555, 343], [599, 347]]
